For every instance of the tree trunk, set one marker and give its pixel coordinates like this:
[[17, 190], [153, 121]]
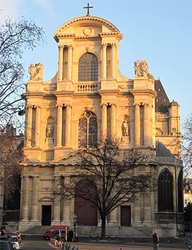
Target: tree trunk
[[103, 227]]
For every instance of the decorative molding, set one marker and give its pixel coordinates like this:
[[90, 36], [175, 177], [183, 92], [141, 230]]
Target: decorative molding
[[85, 19]]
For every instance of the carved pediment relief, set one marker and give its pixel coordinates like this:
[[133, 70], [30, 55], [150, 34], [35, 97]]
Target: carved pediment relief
[[69, 158], [85, 26], [46, 199]]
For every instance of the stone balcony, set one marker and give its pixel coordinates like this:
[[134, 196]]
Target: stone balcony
[[88, 87]]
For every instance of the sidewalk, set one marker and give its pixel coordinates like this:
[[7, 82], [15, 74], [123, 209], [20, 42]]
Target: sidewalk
[[175, 243], [125, 246]]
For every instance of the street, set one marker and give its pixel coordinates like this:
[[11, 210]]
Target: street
[[31, 245]]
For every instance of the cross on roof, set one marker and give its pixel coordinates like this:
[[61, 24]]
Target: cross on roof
[[88, 7]]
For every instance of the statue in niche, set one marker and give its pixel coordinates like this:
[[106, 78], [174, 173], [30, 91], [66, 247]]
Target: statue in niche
[[36, 71], [125, 129], [49, 131], [141, 68]]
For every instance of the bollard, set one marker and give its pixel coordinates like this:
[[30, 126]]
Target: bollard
[[189, 247]]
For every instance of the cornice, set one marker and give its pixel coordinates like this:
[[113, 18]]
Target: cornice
[[86, 19]]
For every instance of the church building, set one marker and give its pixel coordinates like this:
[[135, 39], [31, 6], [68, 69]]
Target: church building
[[89, 99]]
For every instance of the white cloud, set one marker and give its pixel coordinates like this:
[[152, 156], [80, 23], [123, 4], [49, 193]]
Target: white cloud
[[46, 5], [9, 8]]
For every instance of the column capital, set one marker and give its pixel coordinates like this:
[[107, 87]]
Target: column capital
[[104, 44], [145, 104], [113, 44], [136, 104], [59, 105], [60, 46], [34, 176], [113, 104], [69, 46], [28, 105], [68, 105], [37, 106], [25, 176], [104, 104]]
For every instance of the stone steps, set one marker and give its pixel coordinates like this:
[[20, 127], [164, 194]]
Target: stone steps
[[110, 231], [37, 230]]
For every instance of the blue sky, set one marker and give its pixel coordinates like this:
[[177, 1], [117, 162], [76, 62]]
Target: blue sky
[[157, 31]]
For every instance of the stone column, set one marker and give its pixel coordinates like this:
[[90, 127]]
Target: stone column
[[66, 210], [60, 71], [69, 59], [25, 198], [104, 121], [56, 208], [37, 126], [113, 70], [28, 126], [68, 126], [137, 211], [104, 61], [59, 125], [137, 124], [113, 218], [146, 125], [113, 120], [35, 198]]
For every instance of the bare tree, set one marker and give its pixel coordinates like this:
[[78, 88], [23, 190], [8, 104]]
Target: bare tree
[[10, 156], [187, 146], [111, 177], [14, 38]]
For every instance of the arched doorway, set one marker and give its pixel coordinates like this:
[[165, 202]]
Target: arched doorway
[[85, 210]]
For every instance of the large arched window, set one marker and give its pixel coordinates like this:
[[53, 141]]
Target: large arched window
[[88, 68], [180, 192], [87, 136], [165, 191]]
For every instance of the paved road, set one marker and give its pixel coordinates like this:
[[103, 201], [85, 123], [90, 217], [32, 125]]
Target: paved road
[[31, 245]]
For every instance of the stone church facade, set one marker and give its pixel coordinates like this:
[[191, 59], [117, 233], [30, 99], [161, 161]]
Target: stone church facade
[[86, 101]]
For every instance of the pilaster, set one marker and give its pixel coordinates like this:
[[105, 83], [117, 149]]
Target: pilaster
[[25, 197], [35, 198], [59, 125], [69, 62], [28, 126], [66, 211], [104, 120], [113, 71], [60, 75], [57, 207], [146, 125], [137, 124], [113, 218], [68, 126], [104, 61], [113, 120]]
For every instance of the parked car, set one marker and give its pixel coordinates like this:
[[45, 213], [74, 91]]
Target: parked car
[[4, 245], [15, 242], [49, 233]]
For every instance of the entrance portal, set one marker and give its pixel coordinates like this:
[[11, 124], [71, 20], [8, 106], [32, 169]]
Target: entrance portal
[[85, 210], [46, 215], [126, 216]]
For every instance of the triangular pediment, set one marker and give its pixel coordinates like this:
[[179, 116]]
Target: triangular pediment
[[87, 26], [68, 158]]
